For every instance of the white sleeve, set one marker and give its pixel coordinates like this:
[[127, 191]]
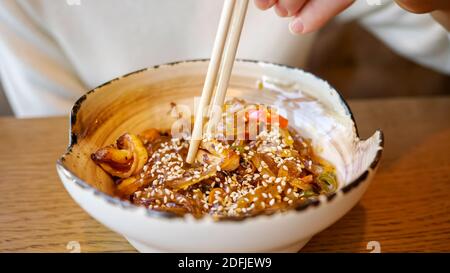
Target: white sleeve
[[37, 77], [415, 36]]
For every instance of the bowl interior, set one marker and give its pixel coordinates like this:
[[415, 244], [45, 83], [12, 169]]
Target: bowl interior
[[145, 99]]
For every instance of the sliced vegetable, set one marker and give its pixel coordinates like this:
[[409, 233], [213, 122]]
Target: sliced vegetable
[[205, 158], [327, 181], [184, 182], [287, 153], [287, 138], [150, 135], [216, 194], [230, 159], [128, 186], [124, 160], [261, 165]]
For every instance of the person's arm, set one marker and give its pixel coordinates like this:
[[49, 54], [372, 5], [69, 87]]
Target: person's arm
[[37, 77], [439, 9]]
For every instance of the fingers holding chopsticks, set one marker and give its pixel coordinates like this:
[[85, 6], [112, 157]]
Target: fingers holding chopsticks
[[308, 15]]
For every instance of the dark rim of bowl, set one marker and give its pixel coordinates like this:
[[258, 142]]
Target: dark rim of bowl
[[158, 214]]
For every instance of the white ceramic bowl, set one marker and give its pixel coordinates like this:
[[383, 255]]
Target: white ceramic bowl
[[142, 100]]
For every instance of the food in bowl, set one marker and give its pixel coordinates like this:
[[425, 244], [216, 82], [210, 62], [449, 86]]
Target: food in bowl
[[253, 163], [141, 100]]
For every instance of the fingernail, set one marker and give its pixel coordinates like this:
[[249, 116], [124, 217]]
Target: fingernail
[[296, 26]]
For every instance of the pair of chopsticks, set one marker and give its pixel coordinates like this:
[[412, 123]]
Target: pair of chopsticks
[[220, 67]]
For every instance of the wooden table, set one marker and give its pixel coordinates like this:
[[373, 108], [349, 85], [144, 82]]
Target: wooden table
[[407, 208]]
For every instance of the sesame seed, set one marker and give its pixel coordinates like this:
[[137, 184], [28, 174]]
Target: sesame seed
[[247, 184]]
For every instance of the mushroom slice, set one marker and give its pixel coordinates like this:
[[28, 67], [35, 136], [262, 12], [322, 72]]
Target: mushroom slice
[[230, 159], [190, 179], [125, 159], [128, 186], [150, 135], [207, 159]]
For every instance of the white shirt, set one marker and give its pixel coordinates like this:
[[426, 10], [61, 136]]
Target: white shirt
[[52, 52]]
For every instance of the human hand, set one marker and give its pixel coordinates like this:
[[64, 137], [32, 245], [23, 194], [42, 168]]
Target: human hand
[[311, 15], [308, 15], [439, 9]]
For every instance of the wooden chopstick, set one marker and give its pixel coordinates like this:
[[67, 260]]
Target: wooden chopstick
[[227, 37], [227, 63]]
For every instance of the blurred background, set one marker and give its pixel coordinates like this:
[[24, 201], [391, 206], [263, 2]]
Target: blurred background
[[5, 109], [359, 65]]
